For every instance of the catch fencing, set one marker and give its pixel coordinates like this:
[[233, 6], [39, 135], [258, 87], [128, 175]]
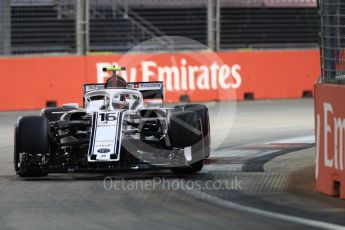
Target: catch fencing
[[101, 26], [333, 41]]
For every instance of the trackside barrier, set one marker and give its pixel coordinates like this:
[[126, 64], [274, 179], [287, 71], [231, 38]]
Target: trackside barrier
[[330, 142], [31, 82]]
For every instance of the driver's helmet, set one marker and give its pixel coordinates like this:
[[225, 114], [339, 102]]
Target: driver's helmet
[[117, 82]]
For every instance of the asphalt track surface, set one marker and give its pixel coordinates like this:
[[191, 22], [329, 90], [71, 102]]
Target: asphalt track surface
[[245, 197]]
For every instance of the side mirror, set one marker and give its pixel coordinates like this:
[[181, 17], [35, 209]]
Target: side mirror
[[70, 106]]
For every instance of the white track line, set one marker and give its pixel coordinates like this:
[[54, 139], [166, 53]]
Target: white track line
[[278, 216], [303, 139], [287, 218]]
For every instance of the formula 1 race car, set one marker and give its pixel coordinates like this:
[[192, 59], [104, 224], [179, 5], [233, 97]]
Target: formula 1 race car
[[117, 129]]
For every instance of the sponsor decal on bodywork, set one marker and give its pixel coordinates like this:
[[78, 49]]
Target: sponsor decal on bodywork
[[105, 136]]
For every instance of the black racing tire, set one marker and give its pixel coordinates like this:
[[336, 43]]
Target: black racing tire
[[16, 149], [31, 137], [185, 130], [202, 111], [53, 113], [184, 124]]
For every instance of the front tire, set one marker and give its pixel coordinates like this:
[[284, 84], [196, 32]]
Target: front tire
[[32, 140], [185, 131], [202, 111]]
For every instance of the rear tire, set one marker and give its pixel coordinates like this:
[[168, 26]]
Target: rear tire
[[31, 138]]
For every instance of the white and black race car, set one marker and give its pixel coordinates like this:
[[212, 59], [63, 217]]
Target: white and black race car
[[117, 129]]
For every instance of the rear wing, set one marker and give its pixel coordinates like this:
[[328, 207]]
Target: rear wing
[[92, 87], [149, 90]]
